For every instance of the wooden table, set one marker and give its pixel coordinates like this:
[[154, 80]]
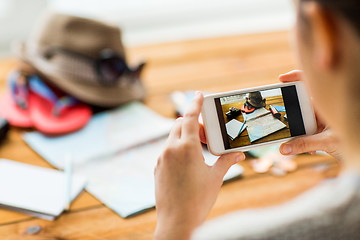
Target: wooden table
[[210, 65]]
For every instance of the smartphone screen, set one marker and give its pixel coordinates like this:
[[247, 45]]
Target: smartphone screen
[[258, 117]]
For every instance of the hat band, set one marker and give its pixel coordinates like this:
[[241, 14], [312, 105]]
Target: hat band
[[70, 67], [108, 65]]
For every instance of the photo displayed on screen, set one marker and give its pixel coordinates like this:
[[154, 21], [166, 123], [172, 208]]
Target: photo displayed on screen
[[259, 117]]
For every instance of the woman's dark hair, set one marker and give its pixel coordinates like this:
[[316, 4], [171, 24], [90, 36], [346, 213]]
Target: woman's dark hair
[[348, 9]]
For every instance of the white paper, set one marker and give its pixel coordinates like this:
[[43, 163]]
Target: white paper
[[35, 189], [233, 128]]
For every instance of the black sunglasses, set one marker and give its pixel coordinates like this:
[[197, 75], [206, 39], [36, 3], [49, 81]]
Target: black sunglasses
[[108, 66]]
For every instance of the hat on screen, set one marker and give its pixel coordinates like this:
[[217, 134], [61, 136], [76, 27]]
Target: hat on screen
[[84, 58], [256, 100]]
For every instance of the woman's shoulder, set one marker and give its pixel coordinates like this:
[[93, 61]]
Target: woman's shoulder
[[316, 211]]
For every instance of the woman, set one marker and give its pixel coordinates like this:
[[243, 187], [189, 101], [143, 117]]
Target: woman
[[327, 43]]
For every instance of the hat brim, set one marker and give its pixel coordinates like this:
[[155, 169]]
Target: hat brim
[[95, 94]]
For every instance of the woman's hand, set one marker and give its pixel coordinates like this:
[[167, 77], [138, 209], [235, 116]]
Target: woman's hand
[[324, 140], [185, 187]]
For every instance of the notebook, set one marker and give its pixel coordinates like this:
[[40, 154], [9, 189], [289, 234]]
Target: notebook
[[279, 108], [263, 126], [33, 190], [234, 128]]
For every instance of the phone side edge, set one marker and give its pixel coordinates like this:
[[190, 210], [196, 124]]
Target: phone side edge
[[212, 127], [307, 110]]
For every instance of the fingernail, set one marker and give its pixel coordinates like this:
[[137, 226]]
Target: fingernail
[[286, 149], [198, 93], [239, 158]]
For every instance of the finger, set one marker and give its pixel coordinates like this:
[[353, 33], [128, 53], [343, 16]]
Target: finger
[[291, 76], [224, 162], [317, 142], [202, 133], [175, 132], [190, 124], [320, 124]]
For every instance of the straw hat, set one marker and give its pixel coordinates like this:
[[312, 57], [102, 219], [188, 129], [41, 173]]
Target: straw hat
[[68, 50], [256, 100]]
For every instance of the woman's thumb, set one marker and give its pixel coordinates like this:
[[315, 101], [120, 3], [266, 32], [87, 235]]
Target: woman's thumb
[[318, 142]]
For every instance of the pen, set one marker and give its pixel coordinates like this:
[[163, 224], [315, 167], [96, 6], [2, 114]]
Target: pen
[[242, 126], [275, 112], [68, 180]]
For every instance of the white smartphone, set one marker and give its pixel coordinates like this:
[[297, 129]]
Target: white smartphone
[[245, 119]]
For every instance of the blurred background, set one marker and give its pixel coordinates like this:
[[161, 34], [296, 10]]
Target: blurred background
[[154, 21], [207, 45]]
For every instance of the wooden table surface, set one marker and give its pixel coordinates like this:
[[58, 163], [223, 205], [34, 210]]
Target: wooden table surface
[[210, 65]]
